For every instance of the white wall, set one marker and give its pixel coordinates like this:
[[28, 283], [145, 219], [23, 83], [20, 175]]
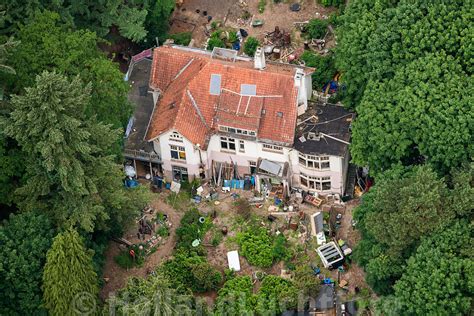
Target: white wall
[[253, 151], [192, 161]]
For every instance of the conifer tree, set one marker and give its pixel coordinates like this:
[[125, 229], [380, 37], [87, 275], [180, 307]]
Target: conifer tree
[[69, 174], [69, 280]]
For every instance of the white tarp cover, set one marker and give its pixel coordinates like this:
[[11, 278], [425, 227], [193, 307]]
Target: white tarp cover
[[233, 259]]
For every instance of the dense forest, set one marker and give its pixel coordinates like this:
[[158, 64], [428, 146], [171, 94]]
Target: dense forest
[[407, 67], [407, 71]]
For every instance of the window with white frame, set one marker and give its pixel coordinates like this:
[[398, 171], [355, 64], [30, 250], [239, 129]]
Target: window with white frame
[[178, 152], [241, 146], [315, 183], [228, 143], [314, 162], [238, 131], [176, 137], [274, 148]]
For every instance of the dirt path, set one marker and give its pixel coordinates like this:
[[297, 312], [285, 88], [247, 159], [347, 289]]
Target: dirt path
[[118, 276]]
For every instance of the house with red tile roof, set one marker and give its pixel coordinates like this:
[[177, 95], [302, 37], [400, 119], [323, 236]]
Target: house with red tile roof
[[224, 117]]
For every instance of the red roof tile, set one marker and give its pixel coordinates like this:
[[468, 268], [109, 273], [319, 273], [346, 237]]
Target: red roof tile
[[186, 104]]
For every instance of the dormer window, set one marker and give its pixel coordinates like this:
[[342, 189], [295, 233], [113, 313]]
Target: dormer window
[[174, 136]]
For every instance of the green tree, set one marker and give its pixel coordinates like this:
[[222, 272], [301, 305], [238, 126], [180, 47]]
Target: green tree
[[250, 46], [5, 49], [25, 239], [376, 38], [276, 295], [69, 279], [305, 280], [215, 41], [72, 53], [425, 113], [134, 19], [153, 295], [156, 22], [11, 169], [236, 297], [206, 277], [324, 68], [317, 28], [439, 276], [404, 206], [69, 174]]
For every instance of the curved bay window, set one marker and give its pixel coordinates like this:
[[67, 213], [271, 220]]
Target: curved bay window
[[315, 183], [314, 162]]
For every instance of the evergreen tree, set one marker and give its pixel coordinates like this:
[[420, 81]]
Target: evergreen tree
[[69, 280], [68, 172]]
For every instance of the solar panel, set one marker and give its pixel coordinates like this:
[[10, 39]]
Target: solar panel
[[215, 86], [248, 89]]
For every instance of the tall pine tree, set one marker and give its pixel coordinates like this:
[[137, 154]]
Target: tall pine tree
[[69, 174], [69, 280]]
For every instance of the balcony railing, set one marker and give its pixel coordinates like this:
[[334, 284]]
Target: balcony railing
[[142, 155]]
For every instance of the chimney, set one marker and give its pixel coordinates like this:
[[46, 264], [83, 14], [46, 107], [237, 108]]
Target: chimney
[[259, 59], [300, 83]]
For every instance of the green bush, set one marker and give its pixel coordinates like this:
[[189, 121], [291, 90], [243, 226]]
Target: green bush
[[125, 260], [261, 5], [333, 3], [215, 41], [163, 231], [191, 229], [181, 38], [233, 37], [260, 248], [275, 290], [317, 28], [205, 277], [325, 68], [250, 46]]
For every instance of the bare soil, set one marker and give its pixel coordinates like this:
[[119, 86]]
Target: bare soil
[[217, 256], [231, 13], [117, 276]]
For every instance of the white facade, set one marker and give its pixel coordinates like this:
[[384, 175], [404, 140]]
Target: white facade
[[246, 154]]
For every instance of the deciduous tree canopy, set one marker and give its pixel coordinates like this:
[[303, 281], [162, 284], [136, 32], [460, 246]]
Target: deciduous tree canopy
[[71, 53], [24, 238], [403, 207]]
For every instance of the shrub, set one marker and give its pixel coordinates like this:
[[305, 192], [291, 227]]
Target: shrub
[[215, 41], [250, 46], [233, 37], [181, 38], [324, 68], [334, 3], [254, 245], [205, 277], [260, 250], [163, 231], [317, 28], [191, 229], [273, 292], [261, 5], [125, 260]]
